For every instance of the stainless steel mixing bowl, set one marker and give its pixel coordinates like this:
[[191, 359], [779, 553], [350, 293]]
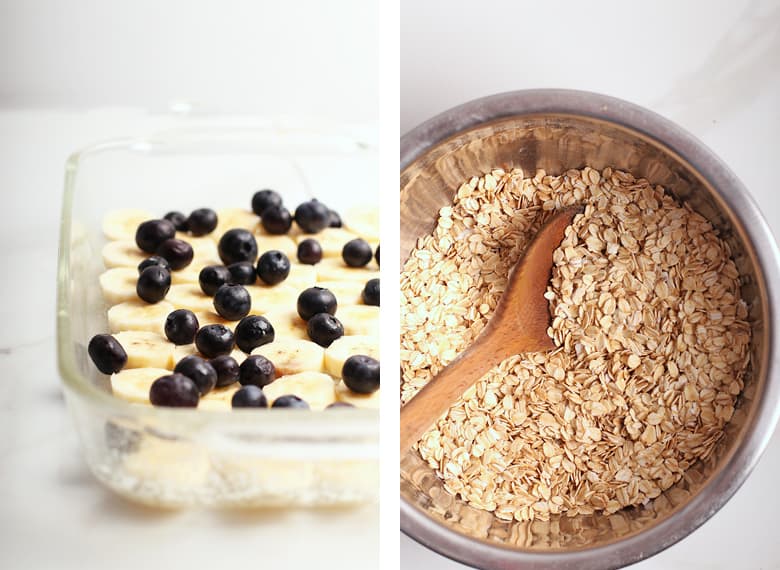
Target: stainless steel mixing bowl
[[557, 130]]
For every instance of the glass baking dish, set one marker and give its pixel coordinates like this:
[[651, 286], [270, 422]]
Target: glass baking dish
[[182, 457]]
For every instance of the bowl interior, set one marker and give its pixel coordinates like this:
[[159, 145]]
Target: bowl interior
[[556, 143]]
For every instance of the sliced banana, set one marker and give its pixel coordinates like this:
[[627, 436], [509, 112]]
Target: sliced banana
[[183, 350], [364, 221], [118, 284], [285, 244], [347, 292], [287, 324], [212, 318], [122, 253], [314, 387], [146, 349], [219, 398], [331, 240], [122, 224], [136, 315], [344, 394], [267, 299], [132, 384], [334, 269], [359, 319], [291, 356], [341, 349], [204, 251], [230, 218], [189, 296], [190, 274]]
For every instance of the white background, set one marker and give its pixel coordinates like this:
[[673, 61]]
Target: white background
[[72, 73], [713, 67]]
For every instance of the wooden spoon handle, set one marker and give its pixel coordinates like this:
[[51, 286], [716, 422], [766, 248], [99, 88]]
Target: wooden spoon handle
[[441, 392]]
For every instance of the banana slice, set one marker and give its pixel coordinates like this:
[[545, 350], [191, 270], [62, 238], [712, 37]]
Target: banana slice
[[334, 269], [287, 324], [230, 218], [291, 356], [313, 387], [118, 284], [189, 274], [359, 319], [219, 398], [331, 240], [122, 224], [344, 394], [132, 384], [173, 464], [137, 315], [183, 350], [347, 346], [212, 318], [364, 221], [346, 292], [266, 299], [285, 244], [122, 253], [204, 251], [189, 296], [146, 349]]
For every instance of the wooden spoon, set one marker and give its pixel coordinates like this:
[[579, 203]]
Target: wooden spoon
[[519, 325]]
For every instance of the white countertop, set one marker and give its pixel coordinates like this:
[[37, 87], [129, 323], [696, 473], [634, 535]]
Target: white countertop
[[53, 513], [712, 67]]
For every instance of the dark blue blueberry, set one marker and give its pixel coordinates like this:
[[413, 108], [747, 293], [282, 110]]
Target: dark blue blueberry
[[227, 370], [174, 390], [153, 284], [181, 326], [256, 370], [212, 277], [232, 302], [273, 267], [376, 255], [309, 251], [276, 220], [237, 245], [177, 252], [370, 292], [324, 328], [202, 221], [107, 354], [312, 216], [154, 260], [334, 220], [253, 331], [199, 371], [361, 374], [178, 220], [316, 300], [152, 233], [290, 401], [263, 199], [214, 340], [242, 273], [356, 253], [249, 397]]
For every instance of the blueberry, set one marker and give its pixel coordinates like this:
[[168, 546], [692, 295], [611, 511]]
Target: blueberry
[[237, 245], [263, 199], [370, 292], [202, 221], [226, 368], [249, 397], [276, 220], [316, 300], [324, 328], [174, 390], [152, 233], [178, 220], [153, 284], [199, 371], [181, 326], [154, 260], [334, 220], [273, 267], [177, 252], [290, 401], [107, 354], [256, 370], [361, 374], [309, 251], [212, 277], [312, 216], [242, 273], [356, 253], [339, 405], [253, 331], [232, 302], [376, 255], [214, 340]]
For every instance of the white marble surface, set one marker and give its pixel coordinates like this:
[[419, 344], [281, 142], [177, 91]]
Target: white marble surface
[[712, 67], [53, 514]]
